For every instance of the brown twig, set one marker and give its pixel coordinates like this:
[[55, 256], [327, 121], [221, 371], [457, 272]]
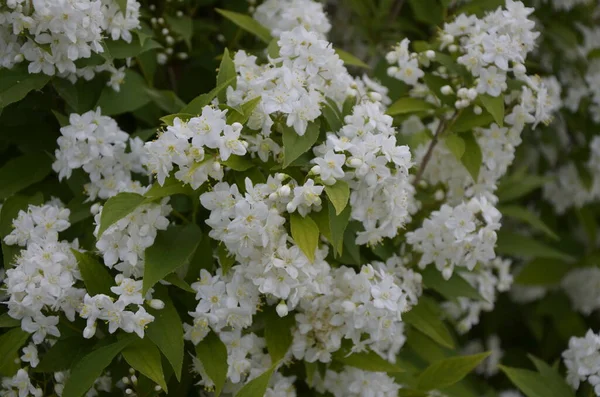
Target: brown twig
[[439, 131]]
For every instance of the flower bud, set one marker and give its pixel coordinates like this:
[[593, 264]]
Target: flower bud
[[89, 331], [157, 388], [179, 13], [125, 380], [316, 170], [19, 58], [290, 207], [119, 278], [348, 306], [446, 90], [375, 96], [216, 166], [128, 391], [165, 31], [430, 54], [355, 162], [452, 48], [448, 38], [519, 68], [282, 309], [273, 196], [157, 304], [285, 191], [95, 208], [161, 21], [471, 94], [477, 110]]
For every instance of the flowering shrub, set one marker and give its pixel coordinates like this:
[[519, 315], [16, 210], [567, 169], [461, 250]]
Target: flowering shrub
[[292, 198]]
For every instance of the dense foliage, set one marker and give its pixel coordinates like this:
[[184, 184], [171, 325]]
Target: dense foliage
[[293, 197]]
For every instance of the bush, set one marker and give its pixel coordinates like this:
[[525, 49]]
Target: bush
[[362, 198]]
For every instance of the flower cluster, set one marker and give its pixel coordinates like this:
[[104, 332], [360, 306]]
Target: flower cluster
[[282, 16], [42, 282], [457, 236], [353, 382], [96, 144], [52, 35], [195, 147], [581, 285], [369, 303], [582, 360], [365, 153]]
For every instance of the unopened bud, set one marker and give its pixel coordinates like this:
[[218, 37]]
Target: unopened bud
[[282, 309], [430, 54], [446, 90], [316, 170], [216, 166], [285, 191], [477, 110], [157, 304], [375, 96]]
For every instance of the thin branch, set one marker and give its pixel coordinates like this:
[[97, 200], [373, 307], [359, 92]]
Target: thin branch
[[396, 10], [439, 131]]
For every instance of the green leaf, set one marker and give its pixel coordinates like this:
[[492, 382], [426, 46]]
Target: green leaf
[[257, 387], [472, 157], [305, 233], [426, 319], [63, 354], [543, 271], [339, 193], [174, 279], [9, 212], [247, 109], [456, 145], [367, 361], [132, 95], [7, 321], [16, 83], [531, 383], [95, 275], [350, 59], [170, 118], [523, 214], [18, 173], [495, 106], [166, 331], [165, 99], [518, 245], [120, 49], [172, 249], [587, 218], [294, 145], [117, 208], [196, 105], [212, 352], [247, 23], [10, 343], [183, 26], [238, 163], [430, 12], [452, 288], [226, 73], [143, 356], [333, 116], [469, 120], [226, 260], [409, 105], [122, 6], [278, 334], [449, 371], [337, 227], [514, 188], [551, 376], [171, 187]]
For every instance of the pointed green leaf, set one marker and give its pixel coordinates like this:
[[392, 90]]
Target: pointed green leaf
[[20, 172], [472, 157], [117, 208], [172, 249], [10, 343], [63, 354], [226, 260], [337, 227], [367, 361], [171, 187], [350, 59], [426, 319], [409, 105], [247, 23], [495, 106], [543, 272], [515, 244], [305, 233], [531, 383], [122, 6], [257, 387], [449, 371], [247, 109], [85, 372], [212, 352], [278, 334], [552, 377], [16, 83], [456, 145], [166, 331], [294, 145], [339, 193], [143, 356], [523, 214], [196, 105], [226, 73], [95, 275]]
